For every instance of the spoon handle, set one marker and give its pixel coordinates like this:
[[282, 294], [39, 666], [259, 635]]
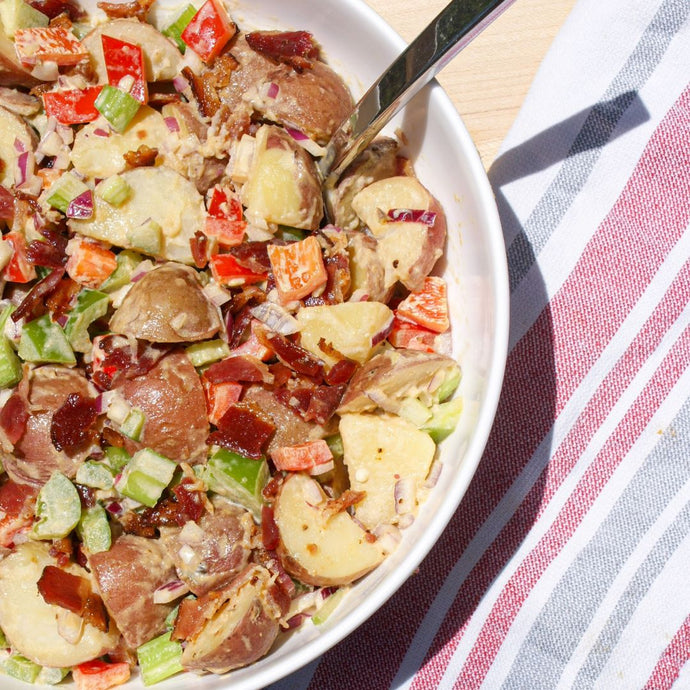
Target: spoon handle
[[456, 25]]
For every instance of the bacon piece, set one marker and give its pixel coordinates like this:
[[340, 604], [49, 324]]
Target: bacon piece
[[204, 92], [60, 301], [253, 255], [53, 8], [270, 536], [16, 498], [239, 368], [6, 205], [243, 431], [201, 249], [49, 253], [33, 305], [143, 157], [117, 10], [72, 426], [294, 356], [324, 402], [73, 593], [337, 281], [13, 417], [341, 372], [343, 502], [294, 48]]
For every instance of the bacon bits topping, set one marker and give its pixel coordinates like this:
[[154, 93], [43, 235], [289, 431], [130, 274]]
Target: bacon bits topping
[[72, 426], [243, 431]]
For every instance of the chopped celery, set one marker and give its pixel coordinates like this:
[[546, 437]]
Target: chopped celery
[[10, 366], [148, 237], [91, 305], [414, 411], [133, 424], [174, 31], [94, 529], [239, 478], [42, 340], [66, 188], [127, 261], [116, 457], [58, 508], [207, 352], [444, 418], [335, 445], [450, 383], [4, 644], [329, 606], [117, 106], [17, 14], [114, 189], [159, 658], [145, 477], [285, 232], [21, 668], [96, 475], [49, 675]]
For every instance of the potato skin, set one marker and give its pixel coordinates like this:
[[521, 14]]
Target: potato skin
[[172, 399], [126, 577], [232, 627], [35, 457], [167, 306]]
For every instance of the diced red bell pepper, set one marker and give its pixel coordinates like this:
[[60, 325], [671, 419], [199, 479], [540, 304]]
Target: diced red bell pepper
[[304, 456], [18, 270], [219, 397], [225, 221], [89, 263], [253, 346], [428, 307], [209, 30], [125, 61], [48, 43], [72, 107], [100, 675], [412, 337], [227, 271], [298, 268]]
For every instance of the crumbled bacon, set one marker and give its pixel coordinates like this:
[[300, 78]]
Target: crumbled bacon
[[294, 356], [13, 417], [270, 560], [313, 403], [72, 425], [143, 157], [60, 301], [122, 362], [49, 253], [16, 498], [73, 593], [203, 91], [294, 48], [337, 282], [238, 326], [199, 245], [34, 304], [137, 9], [252, 256], [62, 550], [190, 501], [6, 205], [270, 536], [343, 502], [54, 8], [242, 368], [243, 431], [341, 372]]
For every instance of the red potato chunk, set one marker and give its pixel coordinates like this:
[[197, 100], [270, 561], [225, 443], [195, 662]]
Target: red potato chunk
[[208, 555], [127, 576], [35, 457], [172, 399]]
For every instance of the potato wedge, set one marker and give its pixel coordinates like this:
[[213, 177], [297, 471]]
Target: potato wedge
[[167, 306], [31, 625], [352, 328], [381, 452], [12, 129], [95, 155], [317, 546], [240, 626], [161, 57], [159, 195]]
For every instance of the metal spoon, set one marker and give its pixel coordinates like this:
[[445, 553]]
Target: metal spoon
[[456, 25]]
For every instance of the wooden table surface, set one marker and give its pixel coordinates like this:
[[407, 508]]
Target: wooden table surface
[[488, 81]]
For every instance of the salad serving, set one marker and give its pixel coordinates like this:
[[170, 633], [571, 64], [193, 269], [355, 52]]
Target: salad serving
[[217, 410]]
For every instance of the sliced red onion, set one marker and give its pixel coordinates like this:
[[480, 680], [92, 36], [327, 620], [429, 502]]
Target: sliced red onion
[[272, 91], [100, 132], [141, 270], [388, 537], [305, 142], [81, 206], [295, 621], [276, 318], [322, 468], [22, 172], [217, 294], [312, 494], [62, 320], [359, 295], [411, 215], [180, 83], [172, 124], [114, 508], [169, 592], [66, 133], [47, 70], [383, 333], [296, 134], [434, 474], [406, 520], [19, 145], [405, 494]]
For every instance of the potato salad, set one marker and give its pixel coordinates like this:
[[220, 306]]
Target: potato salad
[[219, 404]]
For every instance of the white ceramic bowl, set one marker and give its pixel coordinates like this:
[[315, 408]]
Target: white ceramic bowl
[[359, 45]]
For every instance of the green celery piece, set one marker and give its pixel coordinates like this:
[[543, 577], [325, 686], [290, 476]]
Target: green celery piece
[[207, 352], [114, 189], [19, 667], [42, 340], [58, 508], [67, 187], [335, 445], [444, 418], [10, 366], [159, 658], [127, 261], [17, 14], [96, 475], [239, 478], [117, 106], [50, 675], [116, 458], [91, 305], [4, 644], [133, 424], [329, 606], [174, 31], [147, 237], [285, 232], [145, 477], [449, 385], [94, 529]]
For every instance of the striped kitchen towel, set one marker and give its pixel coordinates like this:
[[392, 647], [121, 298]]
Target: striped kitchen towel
[[567, 564]]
